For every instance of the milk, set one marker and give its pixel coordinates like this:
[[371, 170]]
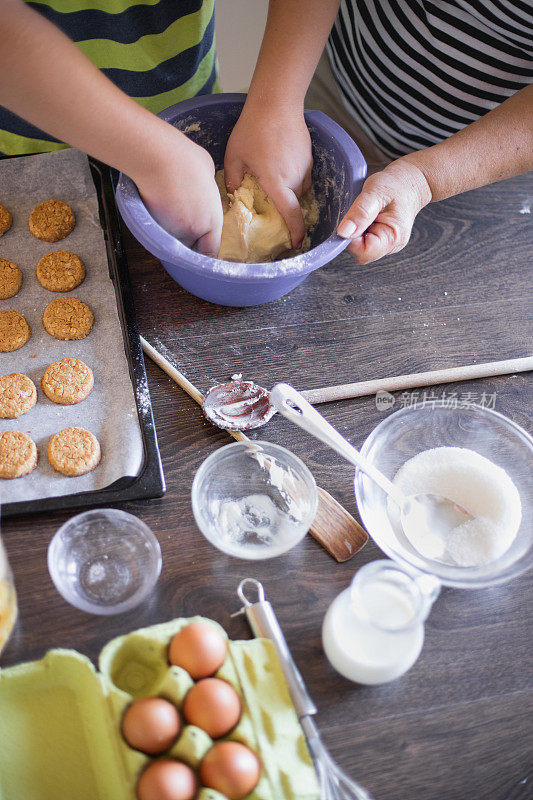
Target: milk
[[374, 630]]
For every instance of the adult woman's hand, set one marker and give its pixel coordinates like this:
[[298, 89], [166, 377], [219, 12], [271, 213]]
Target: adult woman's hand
[[381, 218]]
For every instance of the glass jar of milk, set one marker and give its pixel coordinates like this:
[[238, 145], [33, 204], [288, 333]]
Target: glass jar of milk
[[374, 630]]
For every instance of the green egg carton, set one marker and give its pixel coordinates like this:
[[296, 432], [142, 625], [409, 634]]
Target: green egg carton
[[60, 720]]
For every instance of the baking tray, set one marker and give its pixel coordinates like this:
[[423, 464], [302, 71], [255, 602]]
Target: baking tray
[[150, 481]]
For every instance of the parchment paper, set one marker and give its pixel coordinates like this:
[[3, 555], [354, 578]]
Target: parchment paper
[[110, 411]]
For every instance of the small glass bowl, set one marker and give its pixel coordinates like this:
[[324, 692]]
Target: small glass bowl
[[104, 561], [254, 500], [420, 427]]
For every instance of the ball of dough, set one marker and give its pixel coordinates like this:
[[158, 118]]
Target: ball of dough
[[253, 229]]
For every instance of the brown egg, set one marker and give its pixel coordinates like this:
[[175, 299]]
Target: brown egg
[[230, 768], [199, 648], [213, 705], [167, 780], [151, 725]]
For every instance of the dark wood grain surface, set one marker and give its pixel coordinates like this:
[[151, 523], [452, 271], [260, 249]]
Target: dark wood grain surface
[[460, 723]]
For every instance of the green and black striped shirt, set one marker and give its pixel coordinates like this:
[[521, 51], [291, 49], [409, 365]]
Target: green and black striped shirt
[[157, 51]]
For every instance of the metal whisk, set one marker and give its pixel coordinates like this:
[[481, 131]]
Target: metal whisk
[[334, 783]]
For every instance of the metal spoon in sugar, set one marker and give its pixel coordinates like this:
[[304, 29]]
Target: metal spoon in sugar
[[426, 518]]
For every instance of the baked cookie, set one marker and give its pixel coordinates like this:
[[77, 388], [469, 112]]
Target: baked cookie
[[68, 381], [68, 318], [18, 454], [74, 451], [10, 279], [61, 271], [52, 220], [14, 331], [6, 220], [17, 395]]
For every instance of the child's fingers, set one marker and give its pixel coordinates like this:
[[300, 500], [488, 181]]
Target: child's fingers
[[307, 181], [209, 243], [234, 170], [288, 206]]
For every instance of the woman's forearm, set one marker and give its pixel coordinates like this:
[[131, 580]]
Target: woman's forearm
[[498, 145], [295, 35], [48, 81]]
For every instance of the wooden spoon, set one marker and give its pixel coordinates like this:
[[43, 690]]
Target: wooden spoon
[[244, 405]]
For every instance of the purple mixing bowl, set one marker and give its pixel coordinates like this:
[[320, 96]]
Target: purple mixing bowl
[[338, 174]]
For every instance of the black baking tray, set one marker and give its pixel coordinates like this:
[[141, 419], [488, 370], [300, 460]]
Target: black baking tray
[[150, 481]]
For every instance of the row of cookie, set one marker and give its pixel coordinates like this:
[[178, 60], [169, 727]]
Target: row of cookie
[[65, 318], [64, 382], [57, 272], [49, 221], [72, 451]]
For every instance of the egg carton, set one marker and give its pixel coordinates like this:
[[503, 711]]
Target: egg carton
[[60, 720]]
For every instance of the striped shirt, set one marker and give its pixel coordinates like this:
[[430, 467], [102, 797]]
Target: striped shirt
[[413, 72], [157, 51]]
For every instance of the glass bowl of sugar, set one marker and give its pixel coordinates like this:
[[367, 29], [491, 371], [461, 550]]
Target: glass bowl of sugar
[[479, 459]]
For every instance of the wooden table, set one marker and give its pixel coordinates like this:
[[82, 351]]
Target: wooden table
[[459, 724]]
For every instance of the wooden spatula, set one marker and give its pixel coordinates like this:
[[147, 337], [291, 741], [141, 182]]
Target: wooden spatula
[[333, 527]]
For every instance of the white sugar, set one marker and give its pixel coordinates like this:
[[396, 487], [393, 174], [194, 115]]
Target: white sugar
[[477, 484]]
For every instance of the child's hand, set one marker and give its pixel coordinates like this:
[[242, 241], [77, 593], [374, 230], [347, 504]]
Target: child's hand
[[276, 149], [177, 184], [380, 219]]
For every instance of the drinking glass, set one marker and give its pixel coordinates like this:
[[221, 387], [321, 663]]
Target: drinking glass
[[104, 561]]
